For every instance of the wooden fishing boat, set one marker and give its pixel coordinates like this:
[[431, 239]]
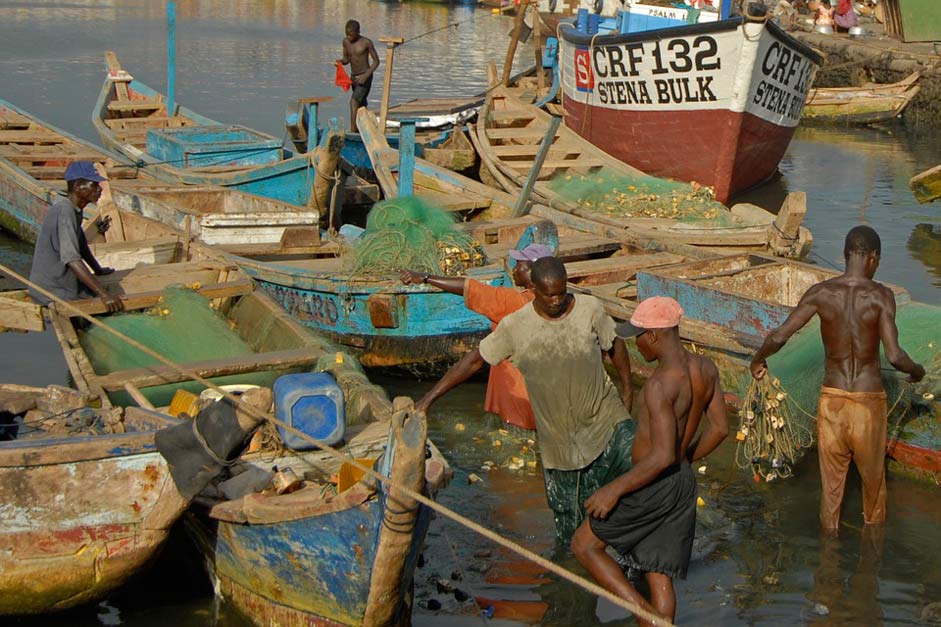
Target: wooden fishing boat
[[869, 104], [509, 133], [87, 499], [184, 147], [926, 186], [716, 103], [33, 158]]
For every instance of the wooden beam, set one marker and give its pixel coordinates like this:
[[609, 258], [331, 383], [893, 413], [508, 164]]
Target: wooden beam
[[94, 306], [256, 362], [138, 396], [18, 313]]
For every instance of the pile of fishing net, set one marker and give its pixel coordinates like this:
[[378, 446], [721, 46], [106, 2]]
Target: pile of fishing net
[[408, 233], [641, 196], [182, 326], [914, 413]]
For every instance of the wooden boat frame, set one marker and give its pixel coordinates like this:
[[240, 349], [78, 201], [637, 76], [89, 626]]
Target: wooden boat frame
[[868, 104]]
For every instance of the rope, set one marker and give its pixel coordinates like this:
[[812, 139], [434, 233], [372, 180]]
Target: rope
[[569, 576]]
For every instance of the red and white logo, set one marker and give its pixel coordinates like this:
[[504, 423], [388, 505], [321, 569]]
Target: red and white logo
[[584, 79]]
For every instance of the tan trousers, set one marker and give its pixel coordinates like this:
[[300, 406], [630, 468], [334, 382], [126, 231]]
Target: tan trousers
[[851, 425]]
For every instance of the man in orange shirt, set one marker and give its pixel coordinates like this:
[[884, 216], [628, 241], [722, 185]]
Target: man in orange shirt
[[506, 391]]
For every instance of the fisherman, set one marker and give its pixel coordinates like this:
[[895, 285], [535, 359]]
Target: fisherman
[[360, 53], [648, 514], [557, 343], [856, 313], [61, 254], [506, 391]]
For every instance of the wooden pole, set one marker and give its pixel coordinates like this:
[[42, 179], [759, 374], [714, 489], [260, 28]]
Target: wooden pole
[[391, 43], [521, 209], [537, 35], [171, 58], [514, 41]]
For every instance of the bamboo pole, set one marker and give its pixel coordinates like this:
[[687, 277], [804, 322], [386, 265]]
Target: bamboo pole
[[391, 43], [514, 41]]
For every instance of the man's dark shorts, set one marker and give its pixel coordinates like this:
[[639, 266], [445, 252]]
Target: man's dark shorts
[[654, 527], [361, 92]]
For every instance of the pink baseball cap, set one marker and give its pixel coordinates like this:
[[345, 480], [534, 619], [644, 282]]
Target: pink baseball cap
[[656, 312]]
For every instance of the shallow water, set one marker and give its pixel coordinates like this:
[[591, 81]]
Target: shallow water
[[758, 559]]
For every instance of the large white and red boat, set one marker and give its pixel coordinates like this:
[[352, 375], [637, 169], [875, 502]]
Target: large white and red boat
[[716, 102]]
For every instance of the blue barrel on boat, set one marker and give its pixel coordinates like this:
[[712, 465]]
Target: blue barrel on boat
[[312, 403], [581, 21]]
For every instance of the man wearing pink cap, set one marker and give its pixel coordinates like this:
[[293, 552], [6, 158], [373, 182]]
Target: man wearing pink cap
[[506, 391], [648, 514]]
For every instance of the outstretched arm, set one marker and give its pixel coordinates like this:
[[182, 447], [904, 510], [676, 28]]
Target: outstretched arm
[[450, 284], [889, 334], [801, 315], [112, 302], [457, 374], [716, 428], [661, 455]]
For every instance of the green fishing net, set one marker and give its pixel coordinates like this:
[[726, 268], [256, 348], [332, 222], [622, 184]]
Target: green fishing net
[[914, 412], [182, 327], [409, 233], [640, 196]]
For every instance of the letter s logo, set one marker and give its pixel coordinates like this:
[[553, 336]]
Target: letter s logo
[[584, 79]]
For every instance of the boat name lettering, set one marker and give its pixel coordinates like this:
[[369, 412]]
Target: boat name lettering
[[666, 90], [783, 65], [308, 308], [778, 100], [668, 56]]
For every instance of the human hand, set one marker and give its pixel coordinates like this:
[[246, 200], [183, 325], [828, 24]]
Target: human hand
[[602, 502], [409, 277], [422, 405], [104, 271], [112, 303], [759, 369], [918, 375]]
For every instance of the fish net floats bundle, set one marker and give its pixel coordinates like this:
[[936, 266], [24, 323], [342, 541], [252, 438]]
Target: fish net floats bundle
[[409, 233], [914, 413], [640, 196]]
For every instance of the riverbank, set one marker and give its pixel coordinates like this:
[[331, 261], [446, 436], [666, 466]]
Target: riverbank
[[876, 57]]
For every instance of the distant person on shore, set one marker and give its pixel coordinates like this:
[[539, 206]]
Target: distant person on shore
[[62, 252], [557, 343], [506, 391], [856, 313], [845, 16], [360, 53], [824, 14], [648, 514]]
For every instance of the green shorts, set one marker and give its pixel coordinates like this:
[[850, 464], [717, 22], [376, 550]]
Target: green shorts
[[567, 490]]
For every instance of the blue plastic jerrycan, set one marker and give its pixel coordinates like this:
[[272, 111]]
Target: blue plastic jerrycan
[[313, 404]]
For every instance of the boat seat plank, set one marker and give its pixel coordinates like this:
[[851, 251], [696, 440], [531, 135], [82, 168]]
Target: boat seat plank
[[46, 172], [530, 150], [143, 300], [581, 163], [525, 132], [117, 106], [22, 154], [512, 115], [38, 136], [571, 247], [152, 121], [597, 271], [453, 202], [256, 362]]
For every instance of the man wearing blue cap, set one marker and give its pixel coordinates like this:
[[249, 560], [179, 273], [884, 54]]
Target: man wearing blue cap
[[506, 391], [62, 252]]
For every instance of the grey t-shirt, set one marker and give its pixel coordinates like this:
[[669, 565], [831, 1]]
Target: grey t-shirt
[[61, 240], [575, 403]]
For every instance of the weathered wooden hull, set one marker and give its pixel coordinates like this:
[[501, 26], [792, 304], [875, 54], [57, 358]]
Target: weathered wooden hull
[[863, 105], [926, 186], [727, 94], [384, 322], [79, 516]]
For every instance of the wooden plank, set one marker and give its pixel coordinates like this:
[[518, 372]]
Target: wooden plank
[[18, 313], [579, 163], [534, 131], [598, 271], [138, 396], [512, 115], [530, 150], [142, 300], [135, 105], [46, 172], [29, 137], [55, 154], [256, 362], [276, 249], [114, 69]]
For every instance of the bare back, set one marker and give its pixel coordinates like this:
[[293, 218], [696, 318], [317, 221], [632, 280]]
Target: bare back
[[853, 313], [685, 390]]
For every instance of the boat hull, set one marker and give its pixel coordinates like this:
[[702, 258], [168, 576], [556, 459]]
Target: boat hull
[[716, 103], [76, 529]]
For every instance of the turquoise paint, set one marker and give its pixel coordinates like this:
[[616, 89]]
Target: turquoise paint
[[214, 145], [407, 157]]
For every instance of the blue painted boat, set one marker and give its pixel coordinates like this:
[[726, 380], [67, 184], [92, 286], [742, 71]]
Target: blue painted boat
[[85, 506], [325, 555], [33, 158]]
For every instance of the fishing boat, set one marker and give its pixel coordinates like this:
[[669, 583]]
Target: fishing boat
[[87, 499], [579, 178], [33, 158], [869, 104], [715, 103], [926, 186]]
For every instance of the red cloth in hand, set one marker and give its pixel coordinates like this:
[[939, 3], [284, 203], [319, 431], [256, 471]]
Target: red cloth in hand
[[343, 80]]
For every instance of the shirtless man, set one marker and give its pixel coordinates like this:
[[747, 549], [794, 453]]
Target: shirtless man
[[856, 313], [648, 514], [363, 60]]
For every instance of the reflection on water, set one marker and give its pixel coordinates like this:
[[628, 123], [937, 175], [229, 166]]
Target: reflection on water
[[758, 559]]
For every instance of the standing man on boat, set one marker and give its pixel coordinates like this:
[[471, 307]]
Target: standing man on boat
[[557, 342], [856, 313], [506, 391], [648, 514], [360, 53], [62, 252]]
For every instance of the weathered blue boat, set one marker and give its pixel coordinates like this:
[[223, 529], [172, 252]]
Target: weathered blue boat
[[33, 158]]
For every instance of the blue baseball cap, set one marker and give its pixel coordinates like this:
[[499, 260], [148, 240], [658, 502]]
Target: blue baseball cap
[[83, 170], [532, 253]]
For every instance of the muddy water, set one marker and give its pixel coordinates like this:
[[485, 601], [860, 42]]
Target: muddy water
[[758, 557]]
